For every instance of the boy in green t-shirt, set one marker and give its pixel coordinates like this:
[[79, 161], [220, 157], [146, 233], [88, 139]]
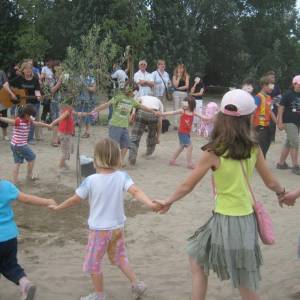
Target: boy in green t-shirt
[[122, 105]]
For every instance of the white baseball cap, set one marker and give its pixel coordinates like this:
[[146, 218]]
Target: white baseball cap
[[241, 100]]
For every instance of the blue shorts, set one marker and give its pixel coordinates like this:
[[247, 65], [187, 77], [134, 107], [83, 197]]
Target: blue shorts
[[120, 135], [22, 152], [184, 139]]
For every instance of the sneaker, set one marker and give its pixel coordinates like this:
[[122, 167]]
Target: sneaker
[[283, 166], [93, 296], [31, 142], [6, 138], [138, 290], [29, 292], [296, 170]]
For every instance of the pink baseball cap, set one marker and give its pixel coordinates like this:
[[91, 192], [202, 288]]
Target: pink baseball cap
[[239, 99], [296, 79]]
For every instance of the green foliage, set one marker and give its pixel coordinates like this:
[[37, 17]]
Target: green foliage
[[31, 44], [92, 57], [225, 41]]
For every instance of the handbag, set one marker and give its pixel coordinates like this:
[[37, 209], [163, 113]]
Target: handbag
[[264, 221], [167, 91]]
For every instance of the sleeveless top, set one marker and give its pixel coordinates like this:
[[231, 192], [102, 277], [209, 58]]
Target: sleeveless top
[[66, 126], [262, 115], [233, 197], [180, 84], [185, 123]]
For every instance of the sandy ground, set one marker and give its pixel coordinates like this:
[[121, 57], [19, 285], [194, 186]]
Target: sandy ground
[[51, 246]]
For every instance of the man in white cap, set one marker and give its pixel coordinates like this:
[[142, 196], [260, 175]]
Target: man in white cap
[[144, 80], [288, 118]]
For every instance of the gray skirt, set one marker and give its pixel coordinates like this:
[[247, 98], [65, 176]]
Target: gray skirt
[[229, 246]]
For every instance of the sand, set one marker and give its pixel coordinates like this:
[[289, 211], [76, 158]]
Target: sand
[[52, 245]]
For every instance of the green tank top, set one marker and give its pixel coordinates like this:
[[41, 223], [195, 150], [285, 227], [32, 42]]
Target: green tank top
[[233, 197]]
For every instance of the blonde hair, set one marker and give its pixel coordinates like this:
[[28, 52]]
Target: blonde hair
[[184, 71], [25, 65], [107, 154]]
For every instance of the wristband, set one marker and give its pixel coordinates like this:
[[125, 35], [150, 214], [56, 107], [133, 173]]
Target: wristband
[[281, 193]]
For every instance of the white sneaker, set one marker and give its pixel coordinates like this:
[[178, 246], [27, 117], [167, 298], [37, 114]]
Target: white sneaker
[[6, 138], [138, 290], [93, 296]]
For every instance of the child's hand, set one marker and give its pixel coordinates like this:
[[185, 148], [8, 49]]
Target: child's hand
[[51, 202], [156, 207], [288, 198], [164, 206]]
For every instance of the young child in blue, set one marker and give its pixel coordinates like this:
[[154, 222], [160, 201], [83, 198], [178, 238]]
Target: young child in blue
[[228, 242], [9, 266]]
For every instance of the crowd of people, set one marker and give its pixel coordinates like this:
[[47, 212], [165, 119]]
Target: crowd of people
[[228, 242]]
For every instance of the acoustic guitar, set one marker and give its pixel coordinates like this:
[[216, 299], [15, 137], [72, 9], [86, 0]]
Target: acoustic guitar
[[6, 101]]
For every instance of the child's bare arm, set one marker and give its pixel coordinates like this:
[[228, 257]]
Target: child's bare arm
[[173, 112], [139, 195], [201, 116], [41, 124], [207, 161], [7, 120], [35, 200], [103, 106], [60, 118], [72, 201]]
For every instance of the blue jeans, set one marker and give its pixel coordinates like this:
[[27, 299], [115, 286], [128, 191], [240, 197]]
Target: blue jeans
[[37, 116]]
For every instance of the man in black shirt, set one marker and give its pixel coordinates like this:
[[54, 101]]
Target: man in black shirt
[[289, 120]]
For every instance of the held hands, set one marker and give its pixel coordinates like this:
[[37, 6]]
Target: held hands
[[51, 203], [288, 198], [163, 206]]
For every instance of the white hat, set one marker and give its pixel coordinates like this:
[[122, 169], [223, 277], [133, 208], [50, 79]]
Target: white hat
[[243, 102]]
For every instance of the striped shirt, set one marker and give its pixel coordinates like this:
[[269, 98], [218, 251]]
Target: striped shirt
[[21, 132]]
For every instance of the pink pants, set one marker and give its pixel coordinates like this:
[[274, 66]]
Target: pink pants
[[100, 242]]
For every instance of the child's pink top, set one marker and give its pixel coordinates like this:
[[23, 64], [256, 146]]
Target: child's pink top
[[66, 126], [186, 123]]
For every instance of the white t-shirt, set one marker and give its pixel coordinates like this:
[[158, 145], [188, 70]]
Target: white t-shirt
[[152, 102], [49, 73], [121, 77], [143, 90], [105, 195]]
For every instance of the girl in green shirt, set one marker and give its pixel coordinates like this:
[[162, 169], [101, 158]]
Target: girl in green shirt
[[228, 242]]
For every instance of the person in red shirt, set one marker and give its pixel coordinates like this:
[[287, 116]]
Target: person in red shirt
[[263, 114], [66, 131], [187, 114]]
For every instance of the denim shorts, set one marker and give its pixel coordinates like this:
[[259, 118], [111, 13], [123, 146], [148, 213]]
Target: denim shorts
[[184, 139], [22, 152], [120, 135]]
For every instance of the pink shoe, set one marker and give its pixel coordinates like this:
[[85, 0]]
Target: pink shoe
[[173, 162]]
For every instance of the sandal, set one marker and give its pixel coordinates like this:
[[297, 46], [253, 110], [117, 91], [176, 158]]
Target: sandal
[[283, 166], [85, 135]]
